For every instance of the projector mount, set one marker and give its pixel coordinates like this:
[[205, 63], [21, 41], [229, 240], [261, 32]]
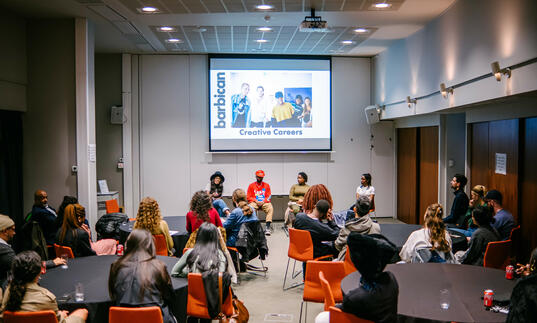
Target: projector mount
[[314, 23]]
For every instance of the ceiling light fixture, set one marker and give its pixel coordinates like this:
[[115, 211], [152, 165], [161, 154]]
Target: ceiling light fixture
[[360, 30], [261, 41], [497, 72], [444, 91], [166, 29], [148, 9], [264, 7], [264, 29], [174, 40], [382, 5], [347, 42], [410, 101]]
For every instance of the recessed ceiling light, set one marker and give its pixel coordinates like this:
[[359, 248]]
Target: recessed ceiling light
[[382, 5], [360, 30], [264, 7], [347, 42], [264, 29], [149, 9], [261, 41], [174, 40], [166, 29]]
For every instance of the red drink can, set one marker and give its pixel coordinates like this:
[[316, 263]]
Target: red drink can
[[509, 272], [119, 250], [488, 297], [43, 267]]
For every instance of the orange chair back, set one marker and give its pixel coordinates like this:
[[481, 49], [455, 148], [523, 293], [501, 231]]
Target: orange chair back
[[30, 317], [196, 305], [328, 296], [516, 238], [300, 245], [63, 250], [135, 314], [497, 254], [349, 265], [338, 316], [333, 271], [160, 244], [112, 206]]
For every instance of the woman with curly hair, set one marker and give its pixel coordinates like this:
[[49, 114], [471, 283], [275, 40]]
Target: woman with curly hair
[[432, 243], [314, 194], [201, 210], [25, 295], [150, 219]]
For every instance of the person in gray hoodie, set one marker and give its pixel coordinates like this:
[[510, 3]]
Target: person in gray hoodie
[[361, 223]]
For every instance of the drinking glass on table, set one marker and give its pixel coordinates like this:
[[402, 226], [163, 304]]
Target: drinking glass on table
[[444, 299], [79, 292], [65, 257]]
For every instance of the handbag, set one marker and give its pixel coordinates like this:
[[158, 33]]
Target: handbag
[[240, 313]]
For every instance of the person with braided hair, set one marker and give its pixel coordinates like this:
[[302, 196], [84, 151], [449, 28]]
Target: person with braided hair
[[150, 219], [432, 243], [25, 295]]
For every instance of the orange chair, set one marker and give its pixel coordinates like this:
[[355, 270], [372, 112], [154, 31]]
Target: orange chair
[[349, 265], [30, 317], [301, 249], [135, 314], [334, 271], [338, 316], [516, 238], [498, 254], [112, 206], [62, 250], [196, 305], [327, 290], [160, 244]]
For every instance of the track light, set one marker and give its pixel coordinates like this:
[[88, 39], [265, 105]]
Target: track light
[[444, 91], [498, 72], [409, 101]]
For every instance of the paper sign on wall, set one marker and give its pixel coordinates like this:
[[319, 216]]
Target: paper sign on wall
[[92, 153], [103, 186], [501, 164]]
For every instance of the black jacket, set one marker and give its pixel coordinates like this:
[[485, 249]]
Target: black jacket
[[210, 285], [78, 241], [524, 301], [478, 245], [47, 221], [251, 241], [320, 233], [458, 209], [107, 226], [6, 259]]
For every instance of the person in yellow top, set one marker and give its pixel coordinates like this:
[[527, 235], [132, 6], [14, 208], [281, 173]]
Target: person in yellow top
[[150, 219], [296, 198], [281, 112]]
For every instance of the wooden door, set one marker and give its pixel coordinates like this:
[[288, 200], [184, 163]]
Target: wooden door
[[407, 164], [428, 169], [479, 154], [528, 187]]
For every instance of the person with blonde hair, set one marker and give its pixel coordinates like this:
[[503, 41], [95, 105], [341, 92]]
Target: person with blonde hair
[[432, 243], [477, 198], [150, 219], [242, 213]]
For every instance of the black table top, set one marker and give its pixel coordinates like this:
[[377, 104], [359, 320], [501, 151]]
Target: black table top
[[398, 233], [420, 285], [175, 223]]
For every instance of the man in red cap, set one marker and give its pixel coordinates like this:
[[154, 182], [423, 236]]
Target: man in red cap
[[258, 196]]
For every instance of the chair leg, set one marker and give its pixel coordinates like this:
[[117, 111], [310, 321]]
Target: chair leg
[[293, 276], [300, 317]]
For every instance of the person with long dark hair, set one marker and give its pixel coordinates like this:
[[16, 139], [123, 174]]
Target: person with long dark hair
[[201, 210], [366, 189], [138, 279], [25, 295]]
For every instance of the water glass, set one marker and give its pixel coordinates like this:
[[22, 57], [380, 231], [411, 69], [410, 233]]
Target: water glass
[[65, 257], [444, 299], [79, 292]]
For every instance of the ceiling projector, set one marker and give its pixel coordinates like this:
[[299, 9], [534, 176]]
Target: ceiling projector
[[314, 24]]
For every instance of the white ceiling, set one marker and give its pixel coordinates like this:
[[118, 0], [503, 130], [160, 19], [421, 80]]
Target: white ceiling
[[229, 26]]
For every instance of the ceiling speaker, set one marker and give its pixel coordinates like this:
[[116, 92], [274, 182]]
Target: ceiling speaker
[[372, 114]]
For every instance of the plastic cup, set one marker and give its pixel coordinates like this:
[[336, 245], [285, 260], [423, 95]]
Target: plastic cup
[[79, 292], [445, 298], [66, 258]]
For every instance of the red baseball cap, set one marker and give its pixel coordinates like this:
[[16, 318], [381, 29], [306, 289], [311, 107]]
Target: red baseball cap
[[260, 173]]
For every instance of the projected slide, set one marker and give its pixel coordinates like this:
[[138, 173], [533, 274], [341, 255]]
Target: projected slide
[[261, 104]]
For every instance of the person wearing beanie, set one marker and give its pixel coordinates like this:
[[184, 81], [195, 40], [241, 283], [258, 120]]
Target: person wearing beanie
[[376, 296], [7, 232], [215, 188], [361, 223], [503, 220], [258, 196]]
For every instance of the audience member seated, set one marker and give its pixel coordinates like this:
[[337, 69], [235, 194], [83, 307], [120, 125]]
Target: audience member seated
[[524, 295], [477, 195], [430, 244], [241, 214], [296, 198], [201, 210], [45, 215], [7, 232], [366, 189], [484, 234], [214, 188], [66, 201], [322, 228], [460, 204], [138, 279], [361, 223], [150, 219], [376, 297], [503, 219], [25, 295], [258, 195]]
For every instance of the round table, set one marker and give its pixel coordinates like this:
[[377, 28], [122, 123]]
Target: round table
[[175, 223], [420, 285], [93, 273]]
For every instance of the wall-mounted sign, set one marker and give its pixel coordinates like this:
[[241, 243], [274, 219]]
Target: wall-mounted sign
[[501, 164]]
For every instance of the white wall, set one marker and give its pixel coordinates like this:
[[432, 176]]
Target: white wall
[[174, 138]]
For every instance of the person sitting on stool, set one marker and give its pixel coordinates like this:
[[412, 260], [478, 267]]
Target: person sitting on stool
[[258, 196]]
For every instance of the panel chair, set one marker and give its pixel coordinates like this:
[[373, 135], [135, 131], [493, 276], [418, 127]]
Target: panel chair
[[333, 271], [301, 249], [30, 317], [62, 250], [338, 316], [196, 305], [498, 254], [112, 206], [135, 314], [160, 244]]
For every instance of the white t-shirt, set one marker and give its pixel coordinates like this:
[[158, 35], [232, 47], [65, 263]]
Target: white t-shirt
[[260, 110], [365, 190], [417, 240]]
